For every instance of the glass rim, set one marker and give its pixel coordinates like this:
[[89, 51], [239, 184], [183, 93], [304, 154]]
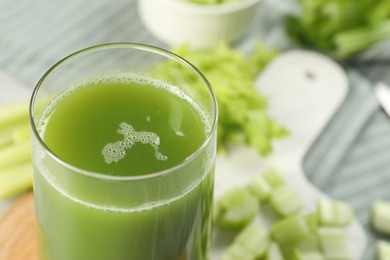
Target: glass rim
[[143, 47]]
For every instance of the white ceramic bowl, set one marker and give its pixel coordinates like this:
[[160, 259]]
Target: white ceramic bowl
[[201, 26]]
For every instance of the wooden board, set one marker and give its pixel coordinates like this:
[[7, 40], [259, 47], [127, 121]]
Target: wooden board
[[18, 239]]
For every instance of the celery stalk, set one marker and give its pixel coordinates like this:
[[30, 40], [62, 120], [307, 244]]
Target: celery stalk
[[353, 41], [16, 180], [15, 154], [12, 113]]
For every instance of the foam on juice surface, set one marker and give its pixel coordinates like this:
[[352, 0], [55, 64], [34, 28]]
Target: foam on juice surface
[[114, 152]]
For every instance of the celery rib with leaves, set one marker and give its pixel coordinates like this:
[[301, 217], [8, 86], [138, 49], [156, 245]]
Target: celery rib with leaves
[[243, 117]]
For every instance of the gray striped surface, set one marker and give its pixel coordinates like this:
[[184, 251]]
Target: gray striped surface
[[35, 34], [351, 158]]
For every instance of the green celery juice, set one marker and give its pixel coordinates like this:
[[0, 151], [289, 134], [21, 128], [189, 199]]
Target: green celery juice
[[119, 126]]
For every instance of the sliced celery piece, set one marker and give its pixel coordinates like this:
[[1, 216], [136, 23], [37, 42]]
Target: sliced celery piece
[[285, 200], [15, 154], [290, 231], [260, 188], [254, 238], [381, 217], [273, 178], [333, 241], [383, 250], [236, 208], [236, 218], [334, 213], [15, 180], [251, 243]]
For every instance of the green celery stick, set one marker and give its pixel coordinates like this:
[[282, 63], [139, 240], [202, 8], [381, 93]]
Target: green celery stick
[[334, 213], [16, 180], [333, 241], [380, 217], [355, 40], [15, 154], [285, 200]]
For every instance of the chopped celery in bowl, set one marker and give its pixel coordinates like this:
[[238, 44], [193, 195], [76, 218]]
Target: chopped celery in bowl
[[199, 25]]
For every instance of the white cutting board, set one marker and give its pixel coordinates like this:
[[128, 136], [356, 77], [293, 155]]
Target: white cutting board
[[304, 90]]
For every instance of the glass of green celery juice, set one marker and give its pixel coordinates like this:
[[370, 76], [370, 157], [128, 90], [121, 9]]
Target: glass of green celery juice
[[124, 159]]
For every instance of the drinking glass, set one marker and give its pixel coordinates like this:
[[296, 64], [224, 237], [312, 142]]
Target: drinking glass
[[92, 214]]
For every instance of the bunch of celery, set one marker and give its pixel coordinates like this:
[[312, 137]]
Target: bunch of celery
[[243, 117], [15, 150], [292, 233], [341, 28]]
